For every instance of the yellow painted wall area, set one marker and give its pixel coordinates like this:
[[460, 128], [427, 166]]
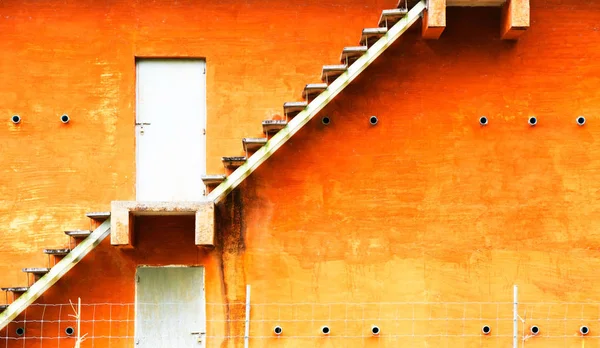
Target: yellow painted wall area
[[427, 215]]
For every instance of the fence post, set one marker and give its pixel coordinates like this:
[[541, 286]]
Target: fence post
[[515, 317], [247, 324]]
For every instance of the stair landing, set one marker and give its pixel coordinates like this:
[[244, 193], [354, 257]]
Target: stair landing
[[123, 213]]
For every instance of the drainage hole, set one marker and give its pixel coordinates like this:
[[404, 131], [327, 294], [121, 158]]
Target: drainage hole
[[486, 330], [483, 120], [373, 120], [532, 121], [20, 331], [535, 330], [325, 120]]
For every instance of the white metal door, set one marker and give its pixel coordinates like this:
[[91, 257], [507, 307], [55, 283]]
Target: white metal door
[[170, 307], [170, 124]]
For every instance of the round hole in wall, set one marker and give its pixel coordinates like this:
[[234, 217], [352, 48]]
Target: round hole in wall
[[325, 120], [277, 330], [581, 120], [325, 330], [483, 121], [65, 118], [16, 119], [373, 120], [584, 330], [375, 330], [535, 330], [486, 330], [20, 331], [532, 121], [70, 331]]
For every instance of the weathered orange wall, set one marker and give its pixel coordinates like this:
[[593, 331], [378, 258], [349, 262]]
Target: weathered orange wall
[[78, 57], [427, 206]]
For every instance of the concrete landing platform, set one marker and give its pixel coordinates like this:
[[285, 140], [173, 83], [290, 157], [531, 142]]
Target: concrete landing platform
[[123, 218]]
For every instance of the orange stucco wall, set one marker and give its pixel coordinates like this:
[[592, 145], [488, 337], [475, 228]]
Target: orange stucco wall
[[427, 206], [78, 57]]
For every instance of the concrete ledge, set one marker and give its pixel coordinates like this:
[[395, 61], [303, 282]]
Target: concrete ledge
[[434, 19], [515, 19], [123, 218]]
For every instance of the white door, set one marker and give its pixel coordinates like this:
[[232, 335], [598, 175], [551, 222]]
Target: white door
[[170, 307], [170, 124]]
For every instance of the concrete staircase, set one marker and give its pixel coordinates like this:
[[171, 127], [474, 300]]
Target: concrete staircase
[[60, 261], [354, 59]]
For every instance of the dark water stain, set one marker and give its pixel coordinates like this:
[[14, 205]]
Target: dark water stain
[[230, 245]]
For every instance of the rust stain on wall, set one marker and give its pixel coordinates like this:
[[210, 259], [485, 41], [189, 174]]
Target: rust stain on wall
[[230, 246]]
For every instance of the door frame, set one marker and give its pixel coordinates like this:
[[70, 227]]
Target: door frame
[[134, 89], [202, 295]]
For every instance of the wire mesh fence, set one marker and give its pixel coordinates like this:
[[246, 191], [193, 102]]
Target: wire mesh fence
[[385, 324]]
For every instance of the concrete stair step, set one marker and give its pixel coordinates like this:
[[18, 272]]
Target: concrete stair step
[[213, 179], [332, 72], [98, 215], [79, 234], [233, 161], [312, 90], [370, 35], [351, 53], [390, 17], [253, 144], [36, 270], [291, 109], [18, 289], [273, 126], [57, 252]]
